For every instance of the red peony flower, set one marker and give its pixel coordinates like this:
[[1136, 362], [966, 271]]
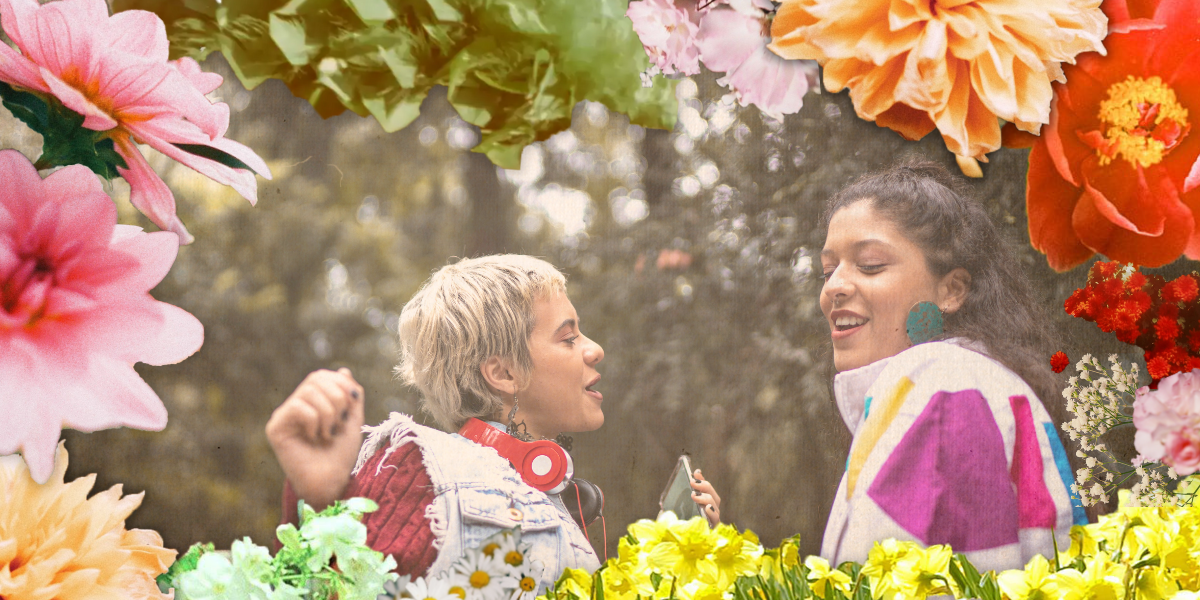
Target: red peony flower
[[1059, 361], [1116, 170]]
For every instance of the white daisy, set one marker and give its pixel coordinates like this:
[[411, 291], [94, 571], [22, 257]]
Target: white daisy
[[483, 578], [527, 577], [437, 588], [506, 547]]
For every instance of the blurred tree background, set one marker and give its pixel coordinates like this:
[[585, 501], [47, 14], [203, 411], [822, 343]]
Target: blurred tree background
[[690, 255]]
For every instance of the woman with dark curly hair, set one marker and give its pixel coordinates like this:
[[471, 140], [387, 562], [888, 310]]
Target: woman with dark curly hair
[[940, 350]]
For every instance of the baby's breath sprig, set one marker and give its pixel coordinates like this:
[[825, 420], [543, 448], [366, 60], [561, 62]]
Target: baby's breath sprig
[[1101, 401]]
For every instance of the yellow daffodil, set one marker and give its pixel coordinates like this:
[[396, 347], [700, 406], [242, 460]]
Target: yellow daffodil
[[1101, 580], [923, 572], [624, 581], [1034, 583], [821, 577], [735, 554], [1083, 543], [881, 561], [685, 553], [1155, 583], [574, 584]]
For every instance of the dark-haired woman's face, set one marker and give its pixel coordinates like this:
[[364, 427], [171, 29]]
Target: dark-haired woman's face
[[873, 277]]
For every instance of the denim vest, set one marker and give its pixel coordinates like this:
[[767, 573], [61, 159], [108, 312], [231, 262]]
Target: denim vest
[[478, 493]]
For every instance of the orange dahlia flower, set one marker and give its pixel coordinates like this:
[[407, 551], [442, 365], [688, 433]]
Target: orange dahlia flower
[[1116, 171], [953, 65], [58, 544]]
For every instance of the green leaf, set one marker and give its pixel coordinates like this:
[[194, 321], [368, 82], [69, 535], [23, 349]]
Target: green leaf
[[372, 11], [288, 34], [401, 63], [656, 580], [215, 155], [508, 157], [395, 116], [444, 12], [25, 106]]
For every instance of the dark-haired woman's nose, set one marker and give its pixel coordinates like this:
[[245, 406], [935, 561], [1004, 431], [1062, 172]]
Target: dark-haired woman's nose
[[837, 288]]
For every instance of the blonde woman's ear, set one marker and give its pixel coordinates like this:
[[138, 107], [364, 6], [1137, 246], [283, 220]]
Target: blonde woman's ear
[[498, 375]]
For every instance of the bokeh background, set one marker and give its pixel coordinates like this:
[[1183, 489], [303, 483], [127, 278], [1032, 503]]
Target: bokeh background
[[690, 255]]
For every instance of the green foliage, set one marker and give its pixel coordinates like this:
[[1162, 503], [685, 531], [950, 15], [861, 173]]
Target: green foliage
[[64, 139], [515, 68], [185, 563]]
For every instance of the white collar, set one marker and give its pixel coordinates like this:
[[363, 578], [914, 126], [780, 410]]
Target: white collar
[[850, 387], [850, 390]]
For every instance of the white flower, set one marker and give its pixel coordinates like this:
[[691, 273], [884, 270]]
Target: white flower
[[251, 559], [437, 588], [483, 578]]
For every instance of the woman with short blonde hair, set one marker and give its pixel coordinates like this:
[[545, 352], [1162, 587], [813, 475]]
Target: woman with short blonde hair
[[469, 311], [495, 338]]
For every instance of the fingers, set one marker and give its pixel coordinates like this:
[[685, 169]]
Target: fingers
[[701, 485], [704, 494], [325, 404], [329, 400]]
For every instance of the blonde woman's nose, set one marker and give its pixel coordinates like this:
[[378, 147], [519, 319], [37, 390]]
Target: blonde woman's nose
[[593, 353]]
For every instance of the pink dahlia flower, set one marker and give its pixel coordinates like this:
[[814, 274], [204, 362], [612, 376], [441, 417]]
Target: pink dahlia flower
[[668, 35], [733, 40], [76, 313], [114, 71], [1166, 416]]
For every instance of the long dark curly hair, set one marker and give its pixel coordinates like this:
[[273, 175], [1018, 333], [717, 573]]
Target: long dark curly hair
[[938, 212]]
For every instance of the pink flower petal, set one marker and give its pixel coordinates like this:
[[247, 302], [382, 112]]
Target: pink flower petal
[[94, 117], [119, 398], [87, 215], [21, 193], [62, 48], [727, 38], [162, 135], [18, 70], [147, 191], [17, 17], [155, 253], [190, 69], [179, 337], [138, 32]]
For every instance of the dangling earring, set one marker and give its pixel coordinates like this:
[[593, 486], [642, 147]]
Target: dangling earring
[[925, 322], [517, 430]]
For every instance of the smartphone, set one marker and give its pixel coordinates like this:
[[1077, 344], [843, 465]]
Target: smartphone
[[677, 497]]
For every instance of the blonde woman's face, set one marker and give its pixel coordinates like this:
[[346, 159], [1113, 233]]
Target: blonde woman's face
[[561, 395], [873, 277]]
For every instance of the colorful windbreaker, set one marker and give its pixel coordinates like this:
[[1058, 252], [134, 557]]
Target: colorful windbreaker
[[950, 447]]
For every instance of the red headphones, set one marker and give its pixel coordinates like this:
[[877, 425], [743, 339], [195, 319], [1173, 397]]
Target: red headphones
[[543, 464]]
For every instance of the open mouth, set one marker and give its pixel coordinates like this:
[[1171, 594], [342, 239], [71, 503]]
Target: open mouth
[[591, 387], [848, 323]]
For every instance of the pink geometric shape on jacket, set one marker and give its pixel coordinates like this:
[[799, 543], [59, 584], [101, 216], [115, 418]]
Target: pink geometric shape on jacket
[[1033, 497], [947, 482]]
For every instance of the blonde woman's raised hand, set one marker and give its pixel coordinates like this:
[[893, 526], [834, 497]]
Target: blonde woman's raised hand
[[316, 434]]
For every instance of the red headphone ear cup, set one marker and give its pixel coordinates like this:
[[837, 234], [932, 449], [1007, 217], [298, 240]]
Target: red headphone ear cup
[[545, 465]]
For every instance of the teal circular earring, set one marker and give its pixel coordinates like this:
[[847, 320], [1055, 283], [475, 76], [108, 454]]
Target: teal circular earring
[[925, 322]]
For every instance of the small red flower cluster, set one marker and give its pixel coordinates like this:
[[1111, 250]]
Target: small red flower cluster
[[1059, 361], [1161, 317]]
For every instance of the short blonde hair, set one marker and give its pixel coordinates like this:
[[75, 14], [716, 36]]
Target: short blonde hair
[[466, 313]]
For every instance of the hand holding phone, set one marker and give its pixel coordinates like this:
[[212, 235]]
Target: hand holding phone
[[688, 495]]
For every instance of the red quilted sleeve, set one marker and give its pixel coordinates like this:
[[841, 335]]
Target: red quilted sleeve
[[402, 490]]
